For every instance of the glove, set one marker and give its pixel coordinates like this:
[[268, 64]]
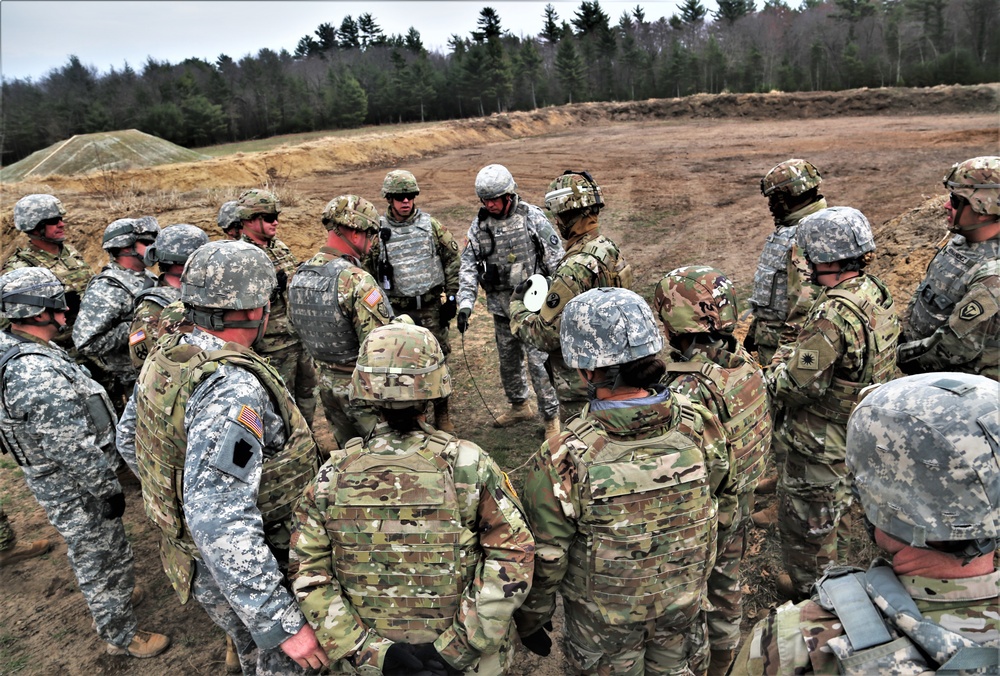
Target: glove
[[447, 312], [463, 319], [520, 290], [400, 660], [539, 642], [114, 506], [434, 664]]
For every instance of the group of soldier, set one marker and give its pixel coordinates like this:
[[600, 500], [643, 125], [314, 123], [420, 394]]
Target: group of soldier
[[407, 550]]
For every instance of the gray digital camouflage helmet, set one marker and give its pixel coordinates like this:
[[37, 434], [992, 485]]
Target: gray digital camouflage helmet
[[120, 234], [227, 275], [494, 181], [835, 234], [228, 217], [175, 245], [924, 451], [146, 228], [28, 292], [606, 327], [30, 210]]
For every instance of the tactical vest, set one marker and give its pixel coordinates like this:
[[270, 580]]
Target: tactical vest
[[160, 295], [142, 334], [396, 521], [69, 267], [740, 396], [279, 333], [881, 329], [168, 379], [328, 335], [506, 253], [131, 282], [770, 281], [25, 448], [614, 269], [412, 252], [647, 523], [949, 276]]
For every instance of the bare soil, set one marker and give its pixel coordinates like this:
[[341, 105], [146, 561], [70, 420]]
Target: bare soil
[[681, 188]]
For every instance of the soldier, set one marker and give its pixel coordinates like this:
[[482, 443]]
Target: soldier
[[847, 342], [223, 454], [229, 220], [954, 315], [698, 308], [102, 327], [417, 263], [41, 218], [591, 261], [169, 253], [58, 424], [258, 212], [923, 450], [411, 551], [334, 304], [10, 551], [508, 241], [623, 503]]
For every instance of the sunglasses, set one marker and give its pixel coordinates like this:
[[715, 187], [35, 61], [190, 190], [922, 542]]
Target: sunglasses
[[957, 201], [267, 218], [408, 197], [55, 220]]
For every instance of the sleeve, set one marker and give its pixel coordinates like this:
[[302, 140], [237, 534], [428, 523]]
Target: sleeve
[[468, 275], [102, 325], [364, 302], [721, 465], [450, 260], [551, 503], [230, 421], [801, 372], [802, 293], [541, 329], [125, 434], [504, 578]]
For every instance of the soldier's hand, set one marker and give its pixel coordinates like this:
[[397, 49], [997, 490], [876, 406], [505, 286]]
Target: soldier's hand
[[401, 660], [447, 312], [305, 649], [463, 319], [520, 290], [434, 663], [539, 642], [114, 506]]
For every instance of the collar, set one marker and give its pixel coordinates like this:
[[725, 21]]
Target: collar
[[638, 418], [979, 588], [796, 216], [27, 337]]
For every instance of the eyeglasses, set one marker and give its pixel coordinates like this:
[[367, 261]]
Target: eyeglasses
[[957, 201], [55, 220], [408, 197], [267, 218]]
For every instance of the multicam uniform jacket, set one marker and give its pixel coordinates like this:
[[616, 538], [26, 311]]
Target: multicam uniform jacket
[[279, 333], [418, 537]]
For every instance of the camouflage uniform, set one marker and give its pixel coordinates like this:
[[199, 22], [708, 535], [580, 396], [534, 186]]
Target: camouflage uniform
[[7, 534], [528, 241]]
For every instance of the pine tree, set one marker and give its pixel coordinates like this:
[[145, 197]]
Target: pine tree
[[551, 32], [349, 34]]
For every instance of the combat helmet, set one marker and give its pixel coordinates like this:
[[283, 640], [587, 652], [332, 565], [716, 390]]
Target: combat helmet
[[399, 364], [175, 245], [28, 292], [835, 234], [399, 182], [923, 450], [494, 181], [147, 229], [573, 190], [791, 176], [30, 210], [607, 327], [696, 299], [978, 181], [228, 217], [228, 275], [257, 201], [120, 234], [351, 211]]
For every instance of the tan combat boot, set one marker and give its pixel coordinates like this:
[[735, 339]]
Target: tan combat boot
[[765, 517], [552, 428], [442, 420], [232, 659], [786, 588], [144, 644], [517, 413], [719, 662], [8, 557], [767, 486]]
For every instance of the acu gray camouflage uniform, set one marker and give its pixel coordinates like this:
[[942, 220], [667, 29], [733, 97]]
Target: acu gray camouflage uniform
[[499, 254]]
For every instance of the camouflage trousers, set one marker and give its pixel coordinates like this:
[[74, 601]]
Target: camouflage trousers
[[511, 353], [813, 501], [253, 660], [724, 592], [665, 645], [347, 419], [7, 534], [101, 558], [296, 368]]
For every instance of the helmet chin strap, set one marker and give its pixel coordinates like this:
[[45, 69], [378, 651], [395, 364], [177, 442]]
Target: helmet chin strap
[[610, 381], [34, 234], [61, 327]]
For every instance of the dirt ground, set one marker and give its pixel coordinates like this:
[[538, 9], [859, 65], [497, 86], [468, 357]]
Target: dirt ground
[[678, 190]]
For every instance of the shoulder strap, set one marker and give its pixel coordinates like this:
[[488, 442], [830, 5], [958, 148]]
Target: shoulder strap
[[706, 369], [862, 621]]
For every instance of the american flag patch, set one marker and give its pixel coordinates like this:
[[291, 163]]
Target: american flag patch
[[249, 419], [137, 337], [373, 298]]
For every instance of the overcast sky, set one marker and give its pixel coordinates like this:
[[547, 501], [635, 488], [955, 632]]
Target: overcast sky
[[37, 36]]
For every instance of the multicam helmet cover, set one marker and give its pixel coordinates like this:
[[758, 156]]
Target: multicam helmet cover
[[228, 275], [400, 182], [30, 210], [696, 299], [257, 201], [835, 234], [351, 211], [791, 176], [607, 326], [400, 363], [175, 245], [978, 181], [494, 181], [572, 191], [27, 292]]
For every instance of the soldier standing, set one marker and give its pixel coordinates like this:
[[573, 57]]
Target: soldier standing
[[417, 262], [58, 424], [223, 454], [41, 218], [954, 315], [623, 504], [698, 308], [10, 551], [258, 211], [847, 342], [335, 304], [508, 241], [229, 220], [591, 261], [923, 451], [102, 327], [411, 551]]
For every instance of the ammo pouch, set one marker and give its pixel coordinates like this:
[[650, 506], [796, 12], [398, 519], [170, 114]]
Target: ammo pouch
[[490, 275]]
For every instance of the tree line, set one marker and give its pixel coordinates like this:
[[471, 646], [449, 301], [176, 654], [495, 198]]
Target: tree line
[[352, 73]]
